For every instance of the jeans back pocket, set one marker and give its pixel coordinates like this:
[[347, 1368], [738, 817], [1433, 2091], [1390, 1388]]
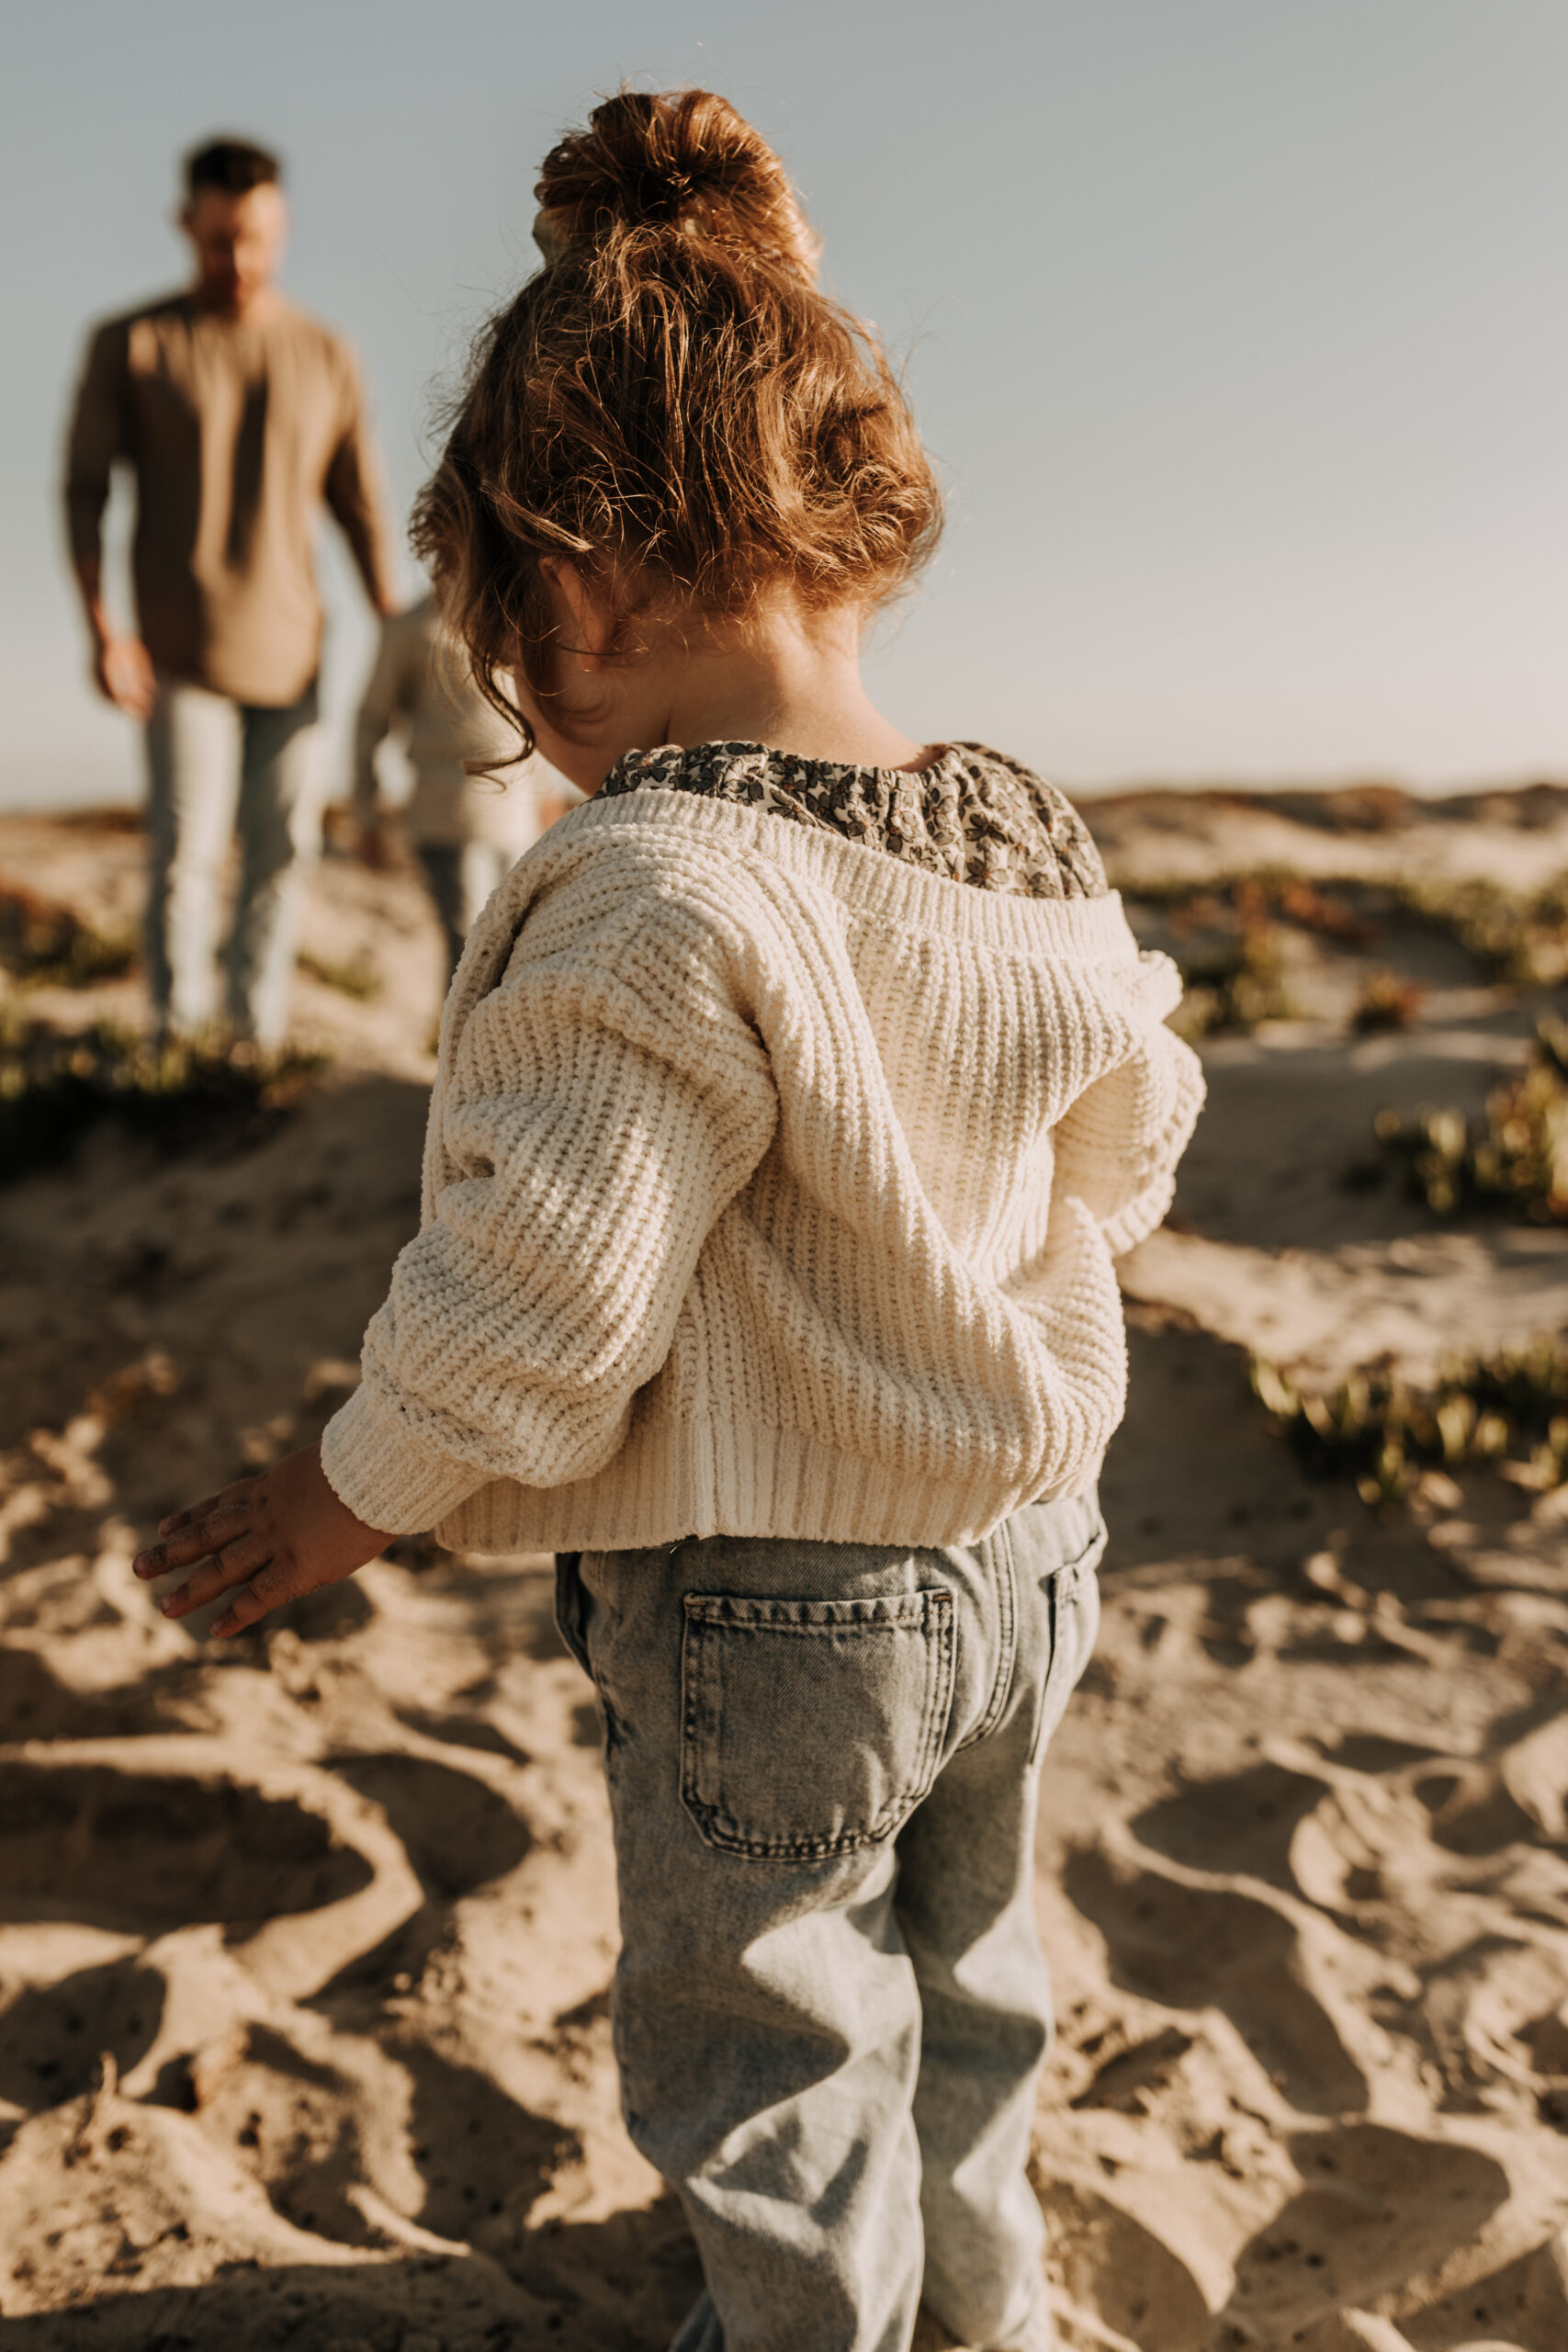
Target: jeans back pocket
[[811, 1727]]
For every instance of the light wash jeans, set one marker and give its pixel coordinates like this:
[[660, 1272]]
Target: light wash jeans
[[831, 2005], [460, 877], [212, 763]]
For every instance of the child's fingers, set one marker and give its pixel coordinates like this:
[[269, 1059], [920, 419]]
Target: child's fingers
[[178, 1519], [207, 1528], [218, 1573], [279, 1581]]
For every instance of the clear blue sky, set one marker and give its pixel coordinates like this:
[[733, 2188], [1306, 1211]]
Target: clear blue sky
[[1239, 328]]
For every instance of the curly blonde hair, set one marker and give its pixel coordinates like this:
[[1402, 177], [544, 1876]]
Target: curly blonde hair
[[672, 403]]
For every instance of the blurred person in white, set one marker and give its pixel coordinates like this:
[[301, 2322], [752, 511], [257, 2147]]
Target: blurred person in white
[[465, 830], [239, 418]]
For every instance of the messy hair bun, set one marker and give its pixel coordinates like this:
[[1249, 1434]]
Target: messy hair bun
[[672, 404], [686, 161]]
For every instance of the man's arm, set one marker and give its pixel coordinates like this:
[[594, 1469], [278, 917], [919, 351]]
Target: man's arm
[[355, 498], [122, 670]]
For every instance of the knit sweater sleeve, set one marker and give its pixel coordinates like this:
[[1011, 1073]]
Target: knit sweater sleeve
[[1118, 1147], [607, 1100]]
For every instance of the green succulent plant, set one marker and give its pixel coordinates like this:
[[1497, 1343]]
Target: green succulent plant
[[1512, 1159], [1381, 1432]]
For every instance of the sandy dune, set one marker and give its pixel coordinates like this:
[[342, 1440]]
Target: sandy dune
[[305, 1942]]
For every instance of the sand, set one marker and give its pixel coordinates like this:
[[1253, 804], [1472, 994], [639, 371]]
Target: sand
[[305, 1940]]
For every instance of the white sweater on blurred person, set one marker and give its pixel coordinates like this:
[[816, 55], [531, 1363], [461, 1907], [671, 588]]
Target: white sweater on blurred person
[[421, 691]]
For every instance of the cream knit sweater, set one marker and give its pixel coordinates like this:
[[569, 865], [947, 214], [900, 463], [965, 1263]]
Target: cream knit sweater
[[771, 1187]]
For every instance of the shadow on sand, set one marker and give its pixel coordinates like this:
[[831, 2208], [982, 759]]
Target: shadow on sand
[[643, 2264]]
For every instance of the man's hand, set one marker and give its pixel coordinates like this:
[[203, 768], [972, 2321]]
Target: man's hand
[[265, 1540], [122, 672]]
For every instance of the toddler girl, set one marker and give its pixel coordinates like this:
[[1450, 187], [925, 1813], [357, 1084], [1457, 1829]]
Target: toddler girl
[[795, 1094]]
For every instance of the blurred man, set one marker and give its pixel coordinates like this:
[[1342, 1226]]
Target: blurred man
[[239, 417], [466, 830]]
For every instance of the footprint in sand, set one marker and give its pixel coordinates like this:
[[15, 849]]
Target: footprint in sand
[[146, 1851], [1521, 2307], [1109, 2264], [456, 1832], [35, 1704], [1191, 1947], [316, 2116], [1249, 1819], [1377, 2209], [298, 1873], [52, 2035]]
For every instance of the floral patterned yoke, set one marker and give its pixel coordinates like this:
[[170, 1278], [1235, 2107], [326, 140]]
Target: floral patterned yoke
[[973, 814]]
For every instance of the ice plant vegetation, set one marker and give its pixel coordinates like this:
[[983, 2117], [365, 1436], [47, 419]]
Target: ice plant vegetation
[[1226, 936], [1512, 1159], [1508, 1409], [1518, 940]]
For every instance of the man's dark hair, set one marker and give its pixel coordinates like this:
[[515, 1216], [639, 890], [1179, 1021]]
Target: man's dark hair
[[233, 165]]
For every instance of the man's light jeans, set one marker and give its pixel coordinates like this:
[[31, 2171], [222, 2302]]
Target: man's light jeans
[[831, 2005], [214, 764]]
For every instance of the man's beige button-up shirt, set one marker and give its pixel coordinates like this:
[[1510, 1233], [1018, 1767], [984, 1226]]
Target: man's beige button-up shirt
[[238, 433]]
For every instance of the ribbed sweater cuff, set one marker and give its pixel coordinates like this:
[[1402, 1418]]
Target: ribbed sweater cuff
[[1138, 1219], [387, 1475]]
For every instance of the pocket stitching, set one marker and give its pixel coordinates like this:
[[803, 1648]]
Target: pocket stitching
[[898, 1613], [931, 1609]]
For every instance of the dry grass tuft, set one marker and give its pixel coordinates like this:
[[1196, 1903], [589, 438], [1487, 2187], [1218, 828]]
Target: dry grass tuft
[[44, 945], [1521, 942], [1387, 1001], [179, 1096]]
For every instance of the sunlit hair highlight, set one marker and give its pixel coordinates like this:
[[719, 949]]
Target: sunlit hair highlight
[[672, 403]]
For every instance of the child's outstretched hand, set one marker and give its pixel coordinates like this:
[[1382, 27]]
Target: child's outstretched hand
[[274, 1537]]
